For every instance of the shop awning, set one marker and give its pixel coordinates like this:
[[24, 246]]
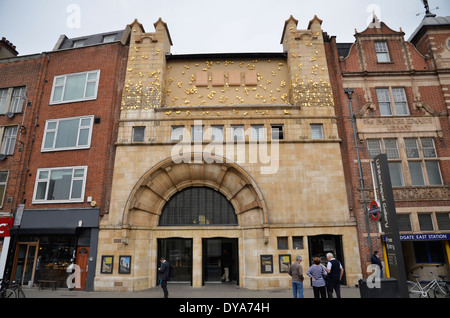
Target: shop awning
[[56, 221]]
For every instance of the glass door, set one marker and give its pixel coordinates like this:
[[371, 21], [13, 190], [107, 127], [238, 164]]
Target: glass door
[[220, 260], [24, 263], [178, 252]]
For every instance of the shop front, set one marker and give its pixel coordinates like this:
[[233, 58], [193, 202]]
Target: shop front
[[426, 253], [49, 241]]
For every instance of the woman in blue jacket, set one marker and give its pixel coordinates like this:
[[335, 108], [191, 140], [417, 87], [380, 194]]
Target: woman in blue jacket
[[318, 273]]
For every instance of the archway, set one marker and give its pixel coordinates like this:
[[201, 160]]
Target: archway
[[154, 189], [197, 206]]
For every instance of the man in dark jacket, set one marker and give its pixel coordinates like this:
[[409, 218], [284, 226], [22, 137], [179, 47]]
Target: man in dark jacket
[[375, 259], [335, 272], [163, 275]]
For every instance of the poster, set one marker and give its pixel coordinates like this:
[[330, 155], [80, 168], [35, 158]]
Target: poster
[[284, 262], [266, 264], [124, 264], [107, 264]]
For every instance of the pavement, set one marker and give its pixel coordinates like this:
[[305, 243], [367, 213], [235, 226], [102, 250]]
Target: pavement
[[183, 291]]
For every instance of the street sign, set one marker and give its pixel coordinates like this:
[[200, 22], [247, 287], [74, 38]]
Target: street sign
[[19, 214], [374, 211], [389, 224]]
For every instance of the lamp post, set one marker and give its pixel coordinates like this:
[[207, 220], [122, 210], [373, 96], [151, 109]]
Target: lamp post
[[349, 92]]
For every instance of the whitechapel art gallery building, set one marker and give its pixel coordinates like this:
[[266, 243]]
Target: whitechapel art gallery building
[[225, 158]]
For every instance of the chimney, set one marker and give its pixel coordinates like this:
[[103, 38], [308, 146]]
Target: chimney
[[7, 49]]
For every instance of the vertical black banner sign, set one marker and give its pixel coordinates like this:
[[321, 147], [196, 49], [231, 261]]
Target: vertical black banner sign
[[389, 224]]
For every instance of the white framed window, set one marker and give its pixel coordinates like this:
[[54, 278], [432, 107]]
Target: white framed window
[[390, 147], [237, 132], [316, 131], [217, 133], [78, 43], [433, 172], [374, 147], [3, 183], [60, 185], [12, 99], [75, 87], [399, 106], [419, 159], [68, 133], [277, 132], [138, 133], [177, 133], [109, 38], [257, 132], [417, 164], [428, 147], [9, 135], [381, 49]]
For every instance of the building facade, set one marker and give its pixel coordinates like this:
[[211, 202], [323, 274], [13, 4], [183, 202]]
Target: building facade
[[19, 87], [66, 155], [115, 152], [226, 154], [401, 107]]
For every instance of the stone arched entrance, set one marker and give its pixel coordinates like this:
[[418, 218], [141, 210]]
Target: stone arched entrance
[[159, 184]]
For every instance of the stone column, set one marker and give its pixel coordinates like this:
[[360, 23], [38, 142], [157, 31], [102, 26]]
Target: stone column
[[197, 257]]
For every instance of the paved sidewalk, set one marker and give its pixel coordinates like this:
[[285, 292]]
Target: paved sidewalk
[[177, 290]]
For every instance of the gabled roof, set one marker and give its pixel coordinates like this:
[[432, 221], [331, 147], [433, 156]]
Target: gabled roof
[[429, 21]]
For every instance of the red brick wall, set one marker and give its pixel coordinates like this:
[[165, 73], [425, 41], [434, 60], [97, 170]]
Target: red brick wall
[[24, 71], [110, 59], [404, 57]]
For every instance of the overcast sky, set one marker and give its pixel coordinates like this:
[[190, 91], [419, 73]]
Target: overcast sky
[[202, 26]]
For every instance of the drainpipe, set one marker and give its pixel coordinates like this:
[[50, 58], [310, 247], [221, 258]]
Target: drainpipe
[[349, 92]]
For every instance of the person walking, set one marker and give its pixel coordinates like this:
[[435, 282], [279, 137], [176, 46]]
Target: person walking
[[318, 273], [225, 262], [375, 260], [163, 275], [335, 272], [296, 272]]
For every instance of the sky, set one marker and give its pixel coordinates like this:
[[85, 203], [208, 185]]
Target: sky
[[202, 26]]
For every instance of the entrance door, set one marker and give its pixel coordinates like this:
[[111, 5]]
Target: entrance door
[[82, 262], [219, 254], [320, 245], [178, 252], [24, 262]]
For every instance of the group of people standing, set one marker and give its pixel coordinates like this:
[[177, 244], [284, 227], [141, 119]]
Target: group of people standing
[[325, 280]]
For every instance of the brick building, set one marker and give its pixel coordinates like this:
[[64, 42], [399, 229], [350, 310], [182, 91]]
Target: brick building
[[67, 157], [19, 95], [400, 102]]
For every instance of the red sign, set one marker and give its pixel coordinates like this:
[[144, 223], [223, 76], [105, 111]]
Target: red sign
[[374, 210], [5, 225]]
